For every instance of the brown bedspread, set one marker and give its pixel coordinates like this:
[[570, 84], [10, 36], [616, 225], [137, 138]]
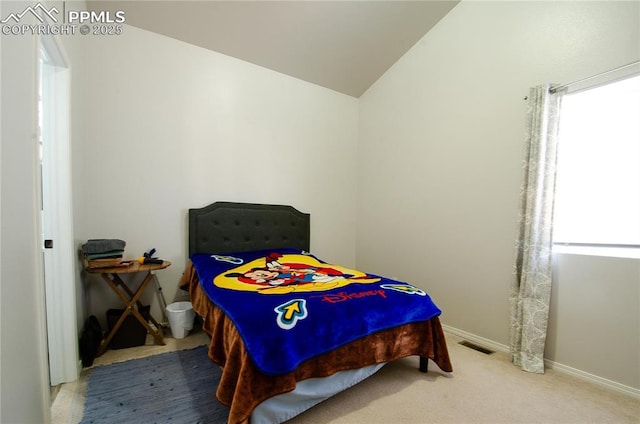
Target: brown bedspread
[[243, 387]]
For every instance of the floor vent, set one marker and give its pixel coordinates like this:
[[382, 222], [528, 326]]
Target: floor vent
[[476, 347]]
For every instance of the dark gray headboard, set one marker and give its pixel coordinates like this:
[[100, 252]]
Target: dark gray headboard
[[225, 227]]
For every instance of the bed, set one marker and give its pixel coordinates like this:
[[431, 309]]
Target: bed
[[272, 310]]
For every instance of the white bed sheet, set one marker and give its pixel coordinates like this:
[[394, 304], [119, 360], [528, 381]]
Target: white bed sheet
[[307, 394]]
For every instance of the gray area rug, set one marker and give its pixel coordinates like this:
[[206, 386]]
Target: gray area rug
[[174, 387]]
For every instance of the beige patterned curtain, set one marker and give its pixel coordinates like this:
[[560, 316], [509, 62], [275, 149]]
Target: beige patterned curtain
[[531, 285]]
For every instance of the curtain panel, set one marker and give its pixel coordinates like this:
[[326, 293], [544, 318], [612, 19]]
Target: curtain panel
[[531, 284]]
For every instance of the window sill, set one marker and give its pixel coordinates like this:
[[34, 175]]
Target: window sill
[[606, 251]]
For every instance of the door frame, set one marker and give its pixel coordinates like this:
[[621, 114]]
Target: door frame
[[57, 217]]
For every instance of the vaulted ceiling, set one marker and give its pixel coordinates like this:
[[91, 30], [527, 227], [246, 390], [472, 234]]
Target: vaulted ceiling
[[342, 45]]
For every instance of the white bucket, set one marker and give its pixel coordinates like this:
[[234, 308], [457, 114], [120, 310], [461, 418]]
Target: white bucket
[[181, 316]]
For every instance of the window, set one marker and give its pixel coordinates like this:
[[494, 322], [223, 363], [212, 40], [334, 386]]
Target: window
[[597, 201]]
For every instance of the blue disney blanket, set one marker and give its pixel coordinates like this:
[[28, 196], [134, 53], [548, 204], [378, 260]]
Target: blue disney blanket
[[289, 306]]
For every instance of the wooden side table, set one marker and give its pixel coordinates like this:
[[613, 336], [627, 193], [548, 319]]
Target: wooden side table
[[130, 298]]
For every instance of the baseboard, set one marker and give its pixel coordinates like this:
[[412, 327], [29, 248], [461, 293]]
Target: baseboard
[[582, 375], [490, 344], [600, 381]]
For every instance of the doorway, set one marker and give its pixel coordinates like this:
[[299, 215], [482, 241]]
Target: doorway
[[56, 212]]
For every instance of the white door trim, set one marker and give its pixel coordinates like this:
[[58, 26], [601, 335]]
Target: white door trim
[[60, 292]]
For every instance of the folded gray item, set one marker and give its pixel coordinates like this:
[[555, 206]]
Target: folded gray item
[[102, 246]]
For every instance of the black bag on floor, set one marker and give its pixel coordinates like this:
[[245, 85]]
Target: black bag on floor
[[90, 340]]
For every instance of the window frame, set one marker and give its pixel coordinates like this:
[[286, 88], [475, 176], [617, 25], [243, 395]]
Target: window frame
[[599, 249]]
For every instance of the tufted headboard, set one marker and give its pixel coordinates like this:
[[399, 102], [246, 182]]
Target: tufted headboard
[[224, 227]]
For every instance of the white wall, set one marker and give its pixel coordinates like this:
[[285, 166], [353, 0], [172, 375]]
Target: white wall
[[161, 126], [594, 321], [24, 388], [441, 143]]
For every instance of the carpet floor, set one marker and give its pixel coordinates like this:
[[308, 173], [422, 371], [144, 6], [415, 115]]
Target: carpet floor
[[482, 389], [172, 387]]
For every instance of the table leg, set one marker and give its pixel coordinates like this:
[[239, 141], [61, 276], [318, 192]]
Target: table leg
[[115, 282], [131, 295]]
